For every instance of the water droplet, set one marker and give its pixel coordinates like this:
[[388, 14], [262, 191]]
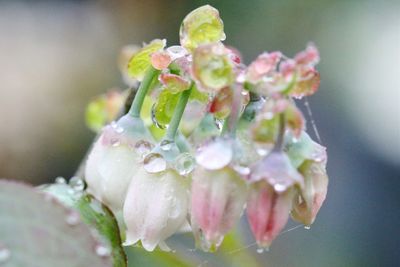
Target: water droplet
[[279, 187], [103, 251], [260, 250], [184, 163], [176, 51], [154, 163], [242, 170], [73, 218], [262, 152], [215, 155], [219, 123], [114, 124], [77, 184], [5, 253], [166, 145], [60, 180], [119, 129], [307, 227], [143, 147], [115, 142], [154, 119]]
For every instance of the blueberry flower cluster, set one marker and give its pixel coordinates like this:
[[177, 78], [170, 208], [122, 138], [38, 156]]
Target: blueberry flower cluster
[[208, 139]]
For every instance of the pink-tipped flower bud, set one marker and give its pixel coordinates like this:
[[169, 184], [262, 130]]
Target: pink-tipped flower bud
[[114, 159], [155, 208], [312, 196], [267, 211], [218, 199], [270, 199]]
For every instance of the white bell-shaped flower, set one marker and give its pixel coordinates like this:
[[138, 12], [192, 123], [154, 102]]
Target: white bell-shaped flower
[[156, 207], [114, 159]]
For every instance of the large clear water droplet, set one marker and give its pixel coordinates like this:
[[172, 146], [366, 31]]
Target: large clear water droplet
[[5, 253], [166, 145], [184, 163], [77, 184], [60, 180], [215, 155], [154, 163], [143, 147]]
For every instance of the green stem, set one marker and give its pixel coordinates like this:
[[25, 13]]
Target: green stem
[[177, 116], [142, 92], [279, 140]]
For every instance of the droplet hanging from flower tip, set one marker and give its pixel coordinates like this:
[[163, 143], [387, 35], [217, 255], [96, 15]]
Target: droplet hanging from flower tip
[[5, 253]]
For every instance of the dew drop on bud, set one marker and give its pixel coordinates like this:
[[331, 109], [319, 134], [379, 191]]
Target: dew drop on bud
[[77, 184], [260, 250], [215, 155], [184, 163], [102, 251], [60, 180], [143, 147], [307, 227], [219, 123], [279, 187], [242, 170], [166, 145], [154, 163], [115, 142], [73, 218], [176, 51], [5, 253]]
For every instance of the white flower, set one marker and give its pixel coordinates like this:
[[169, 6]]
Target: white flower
[[156, 207], [113, 161]]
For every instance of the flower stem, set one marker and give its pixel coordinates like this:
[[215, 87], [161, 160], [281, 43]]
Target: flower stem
[[142, 92], [177, 116], [230, 123], [279, 140]]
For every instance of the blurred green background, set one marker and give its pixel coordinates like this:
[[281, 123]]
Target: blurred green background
[[56, 55]]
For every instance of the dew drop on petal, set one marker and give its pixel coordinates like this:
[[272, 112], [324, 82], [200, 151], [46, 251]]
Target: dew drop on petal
[[280, 187], [143, 147], [242, 170], [102, 251], [166, 145], [77, 184], [215, 155], [60, 180], [5, 253], [184, 163], [260, 250], [176, 51], [73, 218], [154, 163], [307, 227], [115, 142]]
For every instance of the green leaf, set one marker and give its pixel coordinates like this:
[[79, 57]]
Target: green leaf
[[201, 26], [36, 230], [140, 61], [164, 108], [94, 214]]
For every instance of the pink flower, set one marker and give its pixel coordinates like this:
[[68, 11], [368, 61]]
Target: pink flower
[[218, 199], [311, 198], [267, 212]]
